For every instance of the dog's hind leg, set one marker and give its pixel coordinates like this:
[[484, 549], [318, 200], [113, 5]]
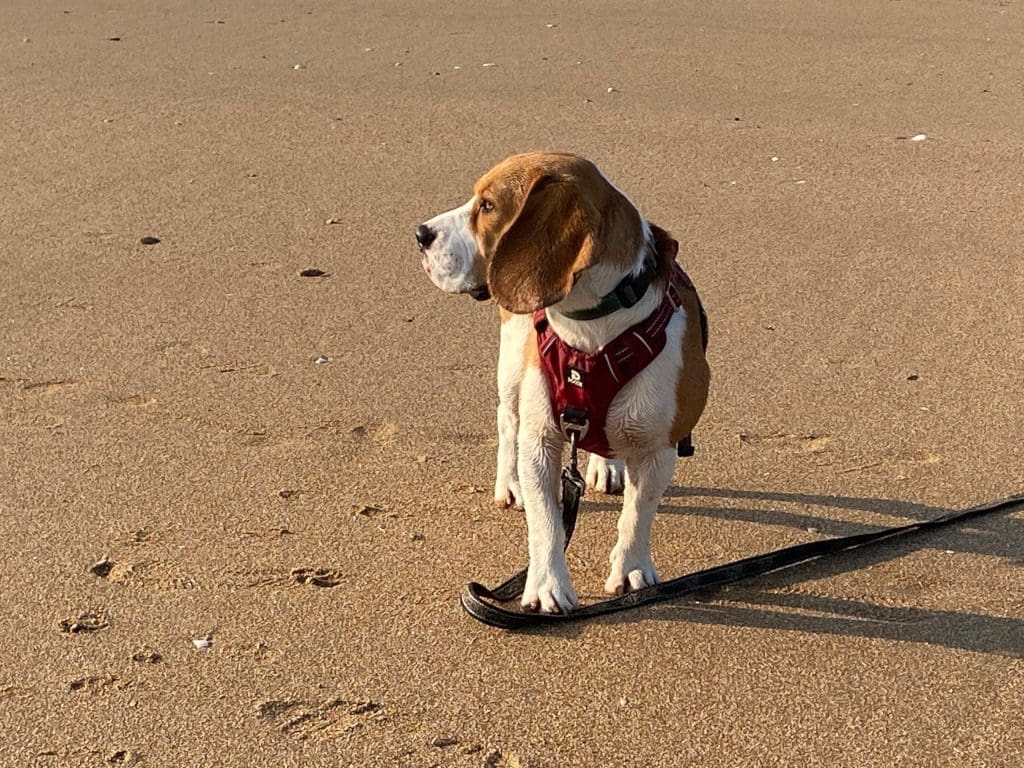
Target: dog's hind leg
[[605, 475], [647, 476]]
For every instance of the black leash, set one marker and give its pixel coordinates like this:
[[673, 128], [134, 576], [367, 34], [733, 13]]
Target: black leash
[[475, 596]]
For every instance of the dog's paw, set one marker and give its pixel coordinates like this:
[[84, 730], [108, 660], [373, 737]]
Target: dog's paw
[[628, 574], [507, 493], [549, 590], [605, 475]]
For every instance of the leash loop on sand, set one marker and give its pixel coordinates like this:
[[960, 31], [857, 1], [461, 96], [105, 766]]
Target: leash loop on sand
[[478, 600]]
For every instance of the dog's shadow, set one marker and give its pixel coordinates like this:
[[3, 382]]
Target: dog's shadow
[[764, 603]]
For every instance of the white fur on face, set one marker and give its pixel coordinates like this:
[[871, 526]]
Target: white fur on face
[[451, 259]]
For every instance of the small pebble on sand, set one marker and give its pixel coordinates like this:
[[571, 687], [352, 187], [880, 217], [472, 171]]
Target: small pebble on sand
[[101, 568]]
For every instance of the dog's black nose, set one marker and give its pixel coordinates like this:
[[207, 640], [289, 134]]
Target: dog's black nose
[[425, 235]]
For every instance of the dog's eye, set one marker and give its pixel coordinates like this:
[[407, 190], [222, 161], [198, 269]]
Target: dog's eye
[[486, 206]]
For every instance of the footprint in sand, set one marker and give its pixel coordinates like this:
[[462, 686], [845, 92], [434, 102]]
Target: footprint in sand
[[135, 400], [382, 432], [318, 722], [153, 574], [495, 759], [925, 456], [123, 757], [84, 623], [94, 684], [811, 442], [48, 387], [93, 756], [317, 577], [8, 692]]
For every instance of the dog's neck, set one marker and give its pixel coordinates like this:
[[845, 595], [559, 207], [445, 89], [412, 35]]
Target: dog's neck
[[590, 335]]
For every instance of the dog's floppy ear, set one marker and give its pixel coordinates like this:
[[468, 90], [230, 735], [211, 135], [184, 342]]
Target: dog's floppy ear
[[550, 239], [666, 245]]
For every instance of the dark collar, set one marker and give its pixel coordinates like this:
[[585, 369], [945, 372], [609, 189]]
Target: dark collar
[[626, 294]]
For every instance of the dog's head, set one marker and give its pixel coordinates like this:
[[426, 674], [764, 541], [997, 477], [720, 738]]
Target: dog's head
[[535, 223]]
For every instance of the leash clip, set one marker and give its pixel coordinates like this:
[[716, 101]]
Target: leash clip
[[574, 424]]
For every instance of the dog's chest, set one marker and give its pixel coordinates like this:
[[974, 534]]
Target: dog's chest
[[582, 386]]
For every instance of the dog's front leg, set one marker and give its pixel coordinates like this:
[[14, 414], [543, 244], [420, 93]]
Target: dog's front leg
[[647, 476], [548, 584], [514, 331]]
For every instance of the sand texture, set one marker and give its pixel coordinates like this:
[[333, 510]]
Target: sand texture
[[219, 552]]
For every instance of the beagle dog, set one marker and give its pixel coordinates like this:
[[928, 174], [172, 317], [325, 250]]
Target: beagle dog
[[546, 234]]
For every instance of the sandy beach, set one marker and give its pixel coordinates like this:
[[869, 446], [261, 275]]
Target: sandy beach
[[238, 504]]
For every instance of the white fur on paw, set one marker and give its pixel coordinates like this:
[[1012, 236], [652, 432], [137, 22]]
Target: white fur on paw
[[507, 493], [549, 593], [605, 475], [630, 575]]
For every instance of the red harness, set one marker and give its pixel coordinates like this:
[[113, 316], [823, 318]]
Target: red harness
[[583, 385]]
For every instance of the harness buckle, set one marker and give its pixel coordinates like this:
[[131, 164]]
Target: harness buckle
[[627, 294]]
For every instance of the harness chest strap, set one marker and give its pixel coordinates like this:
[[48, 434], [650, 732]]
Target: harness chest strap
[[583, 385]]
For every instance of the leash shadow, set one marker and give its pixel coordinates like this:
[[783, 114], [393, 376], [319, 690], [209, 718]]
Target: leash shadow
[[979, 537], [759, 604], [850, 618]]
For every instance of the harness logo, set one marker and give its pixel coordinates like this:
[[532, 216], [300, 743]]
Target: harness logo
[[575, 377]]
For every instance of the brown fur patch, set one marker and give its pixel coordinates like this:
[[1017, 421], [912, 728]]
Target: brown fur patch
[[531, 354], [550, 216], [695, 376]]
